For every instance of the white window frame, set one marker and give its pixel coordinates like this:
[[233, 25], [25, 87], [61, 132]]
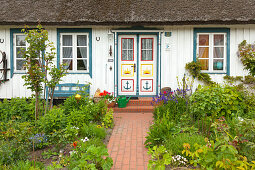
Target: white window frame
[[15, 53], [74, 51], [211, 47]]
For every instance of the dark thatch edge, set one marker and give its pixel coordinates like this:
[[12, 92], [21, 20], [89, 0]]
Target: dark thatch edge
[[157, 23]]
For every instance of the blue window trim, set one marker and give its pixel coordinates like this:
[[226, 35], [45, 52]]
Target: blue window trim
[[75, 30], [213, 30], [12, 32], [158, 53]]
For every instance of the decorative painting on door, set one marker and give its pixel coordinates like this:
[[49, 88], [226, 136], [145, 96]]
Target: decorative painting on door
[[137, 65]]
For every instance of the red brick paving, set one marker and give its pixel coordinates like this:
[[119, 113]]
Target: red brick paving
[[126, 145]]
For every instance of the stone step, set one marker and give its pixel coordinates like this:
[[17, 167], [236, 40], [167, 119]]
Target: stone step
[[132, 109], [140, 102]]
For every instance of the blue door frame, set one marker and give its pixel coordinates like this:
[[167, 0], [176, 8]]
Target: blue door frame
[[116, 56]]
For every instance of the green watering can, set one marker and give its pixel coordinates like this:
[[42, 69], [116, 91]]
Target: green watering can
[[122, 101]]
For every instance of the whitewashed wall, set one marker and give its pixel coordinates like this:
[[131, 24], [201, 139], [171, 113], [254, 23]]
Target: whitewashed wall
[[173, 59]]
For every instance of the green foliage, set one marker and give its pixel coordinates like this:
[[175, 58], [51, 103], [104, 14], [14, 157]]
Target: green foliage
[[20, 109], [217, 101], [194, 68], [92, 131], [23, 164], [53, 120], [90, 156], [159, 158], [108, 119], [247, 56], [159, 132], [14, 141], [175, 143], [71, 104], [80, 116], [172, 110]]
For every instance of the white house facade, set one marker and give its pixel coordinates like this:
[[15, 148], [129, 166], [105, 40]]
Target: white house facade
[[134, 57]]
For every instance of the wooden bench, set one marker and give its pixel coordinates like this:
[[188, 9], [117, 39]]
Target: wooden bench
[[68, 89]]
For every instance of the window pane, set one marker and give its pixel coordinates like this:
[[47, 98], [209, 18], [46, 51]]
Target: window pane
[[68, 64], [218, 52], [130, 54], [130, 43], [67, 52], [203, 40], [203, 52], [149, 43], [218, 64], [143, 54], [149, 55], [81, 40], [218, 39], [19, 52], [204, 63], [144, 45], [67, 40], [124, 55], [19, 65], [124, 43], [82, 52], [20, 40], [81, 64]]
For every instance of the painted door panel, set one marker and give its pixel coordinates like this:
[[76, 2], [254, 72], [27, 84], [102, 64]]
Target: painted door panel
[[137, 65], [127, 73]]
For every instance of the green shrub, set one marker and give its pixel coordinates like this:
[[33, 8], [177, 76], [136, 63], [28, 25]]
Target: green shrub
[[80, 116], [174, 143], [71, 104], [216, 101], [14, 141], [53, 120], [108, 119], [92, 131], [159, 132], [90, 156], [20, 109]]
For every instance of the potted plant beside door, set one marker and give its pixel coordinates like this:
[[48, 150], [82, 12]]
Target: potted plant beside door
[[109, 98]]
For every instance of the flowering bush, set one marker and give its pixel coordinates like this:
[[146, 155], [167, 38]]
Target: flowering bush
[[108, 96]]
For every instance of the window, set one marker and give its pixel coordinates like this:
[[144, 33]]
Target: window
[[74, 51], [19, 45], [127, 49], [147, 49], [212, 49]]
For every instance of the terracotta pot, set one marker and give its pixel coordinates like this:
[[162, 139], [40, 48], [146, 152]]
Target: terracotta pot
[[112, 104]]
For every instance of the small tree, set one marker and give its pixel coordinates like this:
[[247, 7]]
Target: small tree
[[39, 62]]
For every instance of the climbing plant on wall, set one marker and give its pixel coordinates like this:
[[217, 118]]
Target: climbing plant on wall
[[194, 68]]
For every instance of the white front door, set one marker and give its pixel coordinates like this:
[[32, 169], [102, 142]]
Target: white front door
[[137, 65]]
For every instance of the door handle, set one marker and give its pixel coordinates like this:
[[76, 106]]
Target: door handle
[[134, 67]]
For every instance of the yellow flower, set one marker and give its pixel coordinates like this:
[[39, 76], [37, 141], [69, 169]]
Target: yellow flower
[[98, 126], [186, 146]]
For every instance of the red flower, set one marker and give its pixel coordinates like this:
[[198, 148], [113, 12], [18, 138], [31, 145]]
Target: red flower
[[74, 144]]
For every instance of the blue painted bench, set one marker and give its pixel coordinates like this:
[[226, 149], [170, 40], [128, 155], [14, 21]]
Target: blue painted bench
[[67, 90]]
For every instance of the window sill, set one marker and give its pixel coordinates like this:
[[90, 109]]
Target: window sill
[[213, 72], [77, 73]]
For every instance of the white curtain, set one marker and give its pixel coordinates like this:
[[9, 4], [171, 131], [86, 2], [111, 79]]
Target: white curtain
[[82, 41], [67, 51]]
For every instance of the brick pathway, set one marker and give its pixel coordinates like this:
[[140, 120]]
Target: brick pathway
[[126, 145]]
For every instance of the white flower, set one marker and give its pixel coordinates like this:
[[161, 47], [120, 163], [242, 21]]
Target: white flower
[[241, 119], [85, 139], [72, 152]]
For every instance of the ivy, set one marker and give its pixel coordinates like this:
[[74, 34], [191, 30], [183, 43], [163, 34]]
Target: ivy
[[194, 68]]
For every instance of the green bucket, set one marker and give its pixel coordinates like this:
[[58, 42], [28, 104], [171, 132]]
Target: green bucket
[[122, 101]]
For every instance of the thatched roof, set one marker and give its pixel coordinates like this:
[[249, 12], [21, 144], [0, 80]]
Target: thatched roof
[[127, 12]]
